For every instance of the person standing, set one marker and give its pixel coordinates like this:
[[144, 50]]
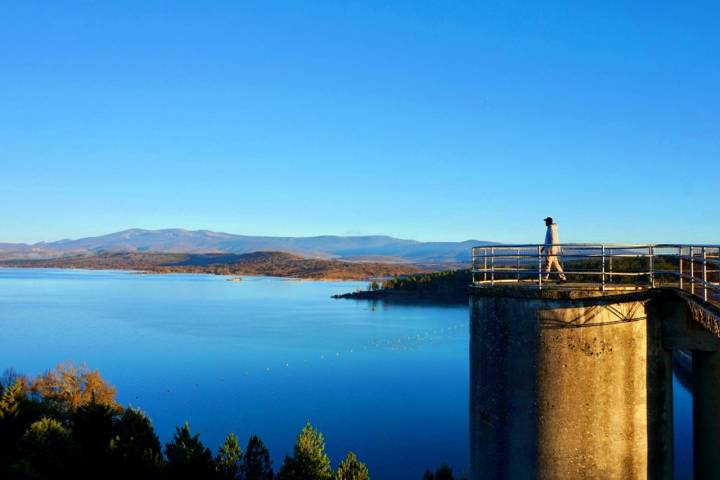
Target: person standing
[[551, 250]]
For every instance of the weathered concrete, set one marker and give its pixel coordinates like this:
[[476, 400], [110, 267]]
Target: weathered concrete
[[566, 386], [503, 417], [660, 391]]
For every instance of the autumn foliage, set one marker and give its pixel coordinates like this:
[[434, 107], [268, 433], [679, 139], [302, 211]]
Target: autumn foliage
[[66, 423], [72, 386]]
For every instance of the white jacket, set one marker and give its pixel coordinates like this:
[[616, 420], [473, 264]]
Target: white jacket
[[552, 240]]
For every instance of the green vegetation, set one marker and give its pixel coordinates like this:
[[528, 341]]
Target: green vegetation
[[256, 463], [187, 457], [227, 461], [352, 469], [66, 423], [446, 287], [442, 473], [636, 266], [436, 283], [309, 459]]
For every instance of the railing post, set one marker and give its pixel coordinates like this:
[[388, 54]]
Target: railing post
[[704, 274], [472, 265], [485, 264], [539, 267], [652, 267], [610, 259], [692, 271], [602, 282], [492, 266], [680, 271], [517, 265]]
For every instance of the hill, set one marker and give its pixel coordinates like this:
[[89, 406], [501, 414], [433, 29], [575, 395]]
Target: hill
[[279, 264], [377, 248]]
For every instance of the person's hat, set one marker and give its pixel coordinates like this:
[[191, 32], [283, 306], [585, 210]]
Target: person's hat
[[548, 218]]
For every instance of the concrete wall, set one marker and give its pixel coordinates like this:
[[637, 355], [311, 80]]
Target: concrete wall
[[568, 388]]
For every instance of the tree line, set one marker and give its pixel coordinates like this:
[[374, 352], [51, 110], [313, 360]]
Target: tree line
[[430, 282], [66, 423]]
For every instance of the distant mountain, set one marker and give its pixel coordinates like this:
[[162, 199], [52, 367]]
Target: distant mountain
[[358, 248]]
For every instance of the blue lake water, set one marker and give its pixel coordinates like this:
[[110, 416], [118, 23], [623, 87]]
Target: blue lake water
[[682, 429], [389, 382], [259, 356]]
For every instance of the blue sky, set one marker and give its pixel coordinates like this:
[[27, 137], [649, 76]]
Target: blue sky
[[431, 120]]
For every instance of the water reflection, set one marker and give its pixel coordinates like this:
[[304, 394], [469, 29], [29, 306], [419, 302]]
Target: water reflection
[[682, 414]]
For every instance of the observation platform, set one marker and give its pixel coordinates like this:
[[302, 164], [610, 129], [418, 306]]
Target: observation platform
[[694, 269]]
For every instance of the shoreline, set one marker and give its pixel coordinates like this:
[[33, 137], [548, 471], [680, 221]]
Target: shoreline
[[403, 296], [180, 272], [271, 264]]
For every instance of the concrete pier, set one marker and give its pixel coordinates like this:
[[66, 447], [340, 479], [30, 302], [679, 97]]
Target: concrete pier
[[573, 380], [569, 385]]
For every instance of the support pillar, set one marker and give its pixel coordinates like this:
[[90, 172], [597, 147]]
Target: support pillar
[[564, 387], [706, 414]]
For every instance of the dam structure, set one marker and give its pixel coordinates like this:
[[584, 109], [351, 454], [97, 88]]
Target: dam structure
[[574, 379]]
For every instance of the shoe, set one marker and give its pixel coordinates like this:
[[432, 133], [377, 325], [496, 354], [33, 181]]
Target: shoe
[[563, 280]]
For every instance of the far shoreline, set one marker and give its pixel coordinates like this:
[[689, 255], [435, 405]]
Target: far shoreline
[[211, 274]]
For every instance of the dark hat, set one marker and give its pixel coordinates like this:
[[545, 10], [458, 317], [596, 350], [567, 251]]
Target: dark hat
[[548, 218]]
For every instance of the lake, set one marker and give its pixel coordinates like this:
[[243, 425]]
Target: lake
[[389, 382]]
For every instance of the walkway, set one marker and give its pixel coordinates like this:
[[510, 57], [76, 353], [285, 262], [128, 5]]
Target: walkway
[[694, 269]]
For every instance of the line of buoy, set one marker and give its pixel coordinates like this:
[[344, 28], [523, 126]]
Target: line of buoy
[[422, 337]]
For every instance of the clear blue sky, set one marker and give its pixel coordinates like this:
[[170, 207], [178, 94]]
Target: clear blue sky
[[431, 120]]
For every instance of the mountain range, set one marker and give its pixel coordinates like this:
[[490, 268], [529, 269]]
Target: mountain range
[[375, 248]]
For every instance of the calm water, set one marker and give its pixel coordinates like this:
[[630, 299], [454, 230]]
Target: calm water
[[260, 356], [682, 424]]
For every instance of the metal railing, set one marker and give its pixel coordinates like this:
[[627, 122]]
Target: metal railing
[[693, 268]]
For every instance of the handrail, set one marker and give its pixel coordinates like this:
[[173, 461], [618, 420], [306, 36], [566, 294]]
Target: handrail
[[603, 266]]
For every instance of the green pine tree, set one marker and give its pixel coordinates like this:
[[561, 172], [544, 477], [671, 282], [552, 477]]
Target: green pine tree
[[93, 427], [227, 461], [352, 469], [17, 413], [256, 463], [135, 448], [309, 460], [442, 473], [187, 457], [48, 452]]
